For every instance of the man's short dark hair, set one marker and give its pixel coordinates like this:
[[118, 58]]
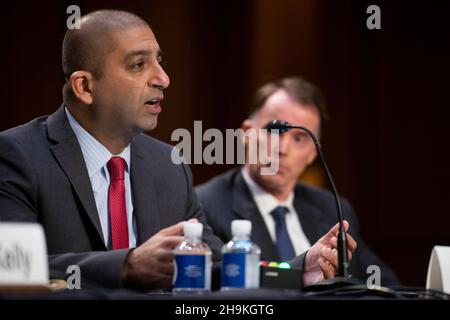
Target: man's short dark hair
[[298, 89], [87, 47]]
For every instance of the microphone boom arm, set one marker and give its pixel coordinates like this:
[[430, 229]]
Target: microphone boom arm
[[344, 264]]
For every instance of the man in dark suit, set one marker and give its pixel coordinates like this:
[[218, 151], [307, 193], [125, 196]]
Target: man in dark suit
[[306, 212], [56, 170], [109, 197]]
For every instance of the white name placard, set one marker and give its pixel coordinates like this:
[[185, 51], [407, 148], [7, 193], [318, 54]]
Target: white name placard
[[23, 254], [438, 277]]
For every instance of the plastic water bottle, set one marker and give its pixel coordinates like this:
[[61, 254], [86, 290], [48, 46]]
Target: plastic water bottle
[[240, 258], [192, 262]]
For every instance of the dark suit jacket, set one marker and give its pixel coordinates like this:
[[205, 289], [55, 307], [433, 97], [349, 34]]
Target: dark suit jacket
[[227, 197], [43, 178]]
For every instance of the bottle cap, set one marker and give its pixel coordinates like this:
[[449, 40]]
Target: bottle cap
[[193, 229], [241, 227]]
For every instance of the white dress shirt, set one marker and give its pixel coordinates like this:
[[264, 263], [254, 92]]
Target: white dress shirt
[[96, 157], [266, 203]]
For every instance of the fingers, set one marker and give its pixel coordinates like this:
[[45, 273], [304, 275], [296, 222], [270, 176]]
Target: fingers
[[334, 257], [171, 242], [330, 255], [166, 268], [163, 261], [164, 255], [351, 243], [327, 269], [159, 246], [176, 229], [334, 231]]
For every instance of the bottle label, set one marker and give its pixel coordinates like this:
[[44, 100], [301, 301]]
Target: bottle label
[[192, 271], [233, 270]]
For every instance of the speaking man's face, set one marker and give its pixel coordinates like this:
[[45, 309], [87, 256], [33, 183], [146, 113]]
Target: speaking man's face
[[296, 149], [130, 90]]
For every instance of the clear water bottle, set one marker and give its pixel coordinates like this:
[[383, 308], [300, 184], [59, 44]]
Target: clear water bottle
[[192, 262], [240, 258]]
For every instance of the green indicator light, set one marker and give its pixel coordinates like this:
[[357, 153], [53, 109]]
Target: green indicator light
[[284, 265]]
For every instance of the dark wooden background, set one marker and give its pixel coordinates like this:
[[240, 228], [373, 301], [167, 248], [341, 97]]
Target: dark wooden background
[[387, 92]]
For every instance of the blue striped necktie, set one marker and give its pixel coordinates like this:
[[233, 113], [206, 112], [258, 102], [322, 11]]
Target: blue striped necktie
[[284, 245]]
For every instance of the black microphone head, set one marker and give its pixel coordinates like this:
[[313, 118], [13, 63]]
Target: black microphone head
[[282, 126]]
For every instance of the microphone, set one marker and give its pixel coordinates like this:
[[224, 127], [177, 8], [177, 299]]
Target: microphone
[[283, 126]]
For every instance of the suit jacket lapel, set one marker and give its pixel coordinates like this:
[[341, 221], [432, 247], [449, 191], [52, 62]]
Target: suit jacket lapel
[[145, 202], [244, 207], [309, 217], [68, 153]]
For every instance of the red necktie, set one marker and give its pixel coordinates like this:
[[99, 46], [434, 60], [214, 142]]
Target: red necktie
[[116, 201]]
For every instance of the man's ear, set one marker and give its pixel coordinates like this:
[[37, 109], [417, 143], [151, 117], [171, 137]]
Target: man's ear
[[81, 84], [246, 124], [312, 156]]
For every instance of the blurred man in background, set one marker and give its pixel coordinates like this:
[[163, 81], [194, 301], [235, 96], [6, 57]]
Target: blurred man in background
[[287, 215]]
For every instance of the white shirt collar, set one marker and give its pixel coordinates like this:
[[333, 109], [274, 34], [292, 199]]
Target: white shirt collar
[[95, 154], [266, 202]]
